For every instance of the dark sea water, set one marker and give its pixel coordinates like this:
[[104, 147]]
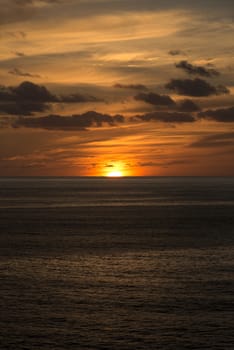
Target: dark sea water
[[125, 263]]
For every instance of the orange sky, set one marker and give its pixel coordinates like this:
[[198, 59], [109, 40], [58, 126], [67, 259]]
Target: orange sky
[[143, 88]]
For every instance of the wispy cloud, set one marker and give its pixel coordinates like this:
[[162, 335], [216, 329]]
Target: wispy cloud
[[20, 73], [215, 140], [197, 70]]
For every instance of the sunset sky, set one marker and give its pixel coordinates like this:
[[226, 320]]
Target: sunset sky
[[92, 87]]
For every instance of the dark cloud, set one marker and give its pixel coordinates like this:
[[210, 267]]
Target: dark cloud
[[28, 91], [175, 52], [131, 86], [6, 94], [19, 54], [19, 72], [147, 164], [83, 122], [164, 163], [216, 140], [195, 87], [155, 99], [77, 98], [29, 97], [224, 115], [197, 70], [25, 99], [69, 123], [22, 108], [188, 106], [166, 117]]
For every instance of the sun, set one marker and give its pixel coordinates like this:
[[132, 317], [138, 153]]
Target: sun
[[115, 173]]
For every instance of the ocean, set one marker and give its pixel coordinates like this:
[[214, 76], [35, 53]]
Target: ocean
[[117, 263]]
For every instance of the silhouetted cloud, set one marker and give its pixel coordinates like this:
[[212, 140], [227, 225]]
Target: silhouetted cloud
[[76, 98], [147, 164], [25, 99], [28, 91], [224, 115], [175, 52], [155, 99], [19, 54], [29, 97], [216, 140], [195, 87], [19, 72], [188, 106], [69, 123], [89, 119], [6, 94], [131, 86], [167, 117], [164, 163], [22, 108], [197, 70]]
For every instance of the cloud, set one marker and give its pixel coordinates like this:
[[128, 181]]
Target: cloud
[[22, 108], [19, 54], [164, 163], [29, 97], [14, 34], [131, 86], [197, 70], [6, 94], [77, 98], [166, 117], [155, 99], [165, 100], [216, 140], [70, 123], [19, 72], [188, 106], [22, 10], [32, 92], [224, 115], [83, 122], [36, 2], [195, 87], [175, 52], [25, 99]]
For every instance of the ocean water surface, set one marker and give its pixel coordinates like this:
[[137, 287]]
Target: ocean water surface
[[117, 263]]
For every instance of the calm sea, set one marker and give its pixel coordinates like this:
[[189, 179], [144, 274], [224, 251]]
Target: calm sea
[[116, 263]]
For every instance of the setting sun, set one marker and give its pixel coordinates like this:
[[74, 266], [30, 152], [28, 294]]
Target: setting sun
[[115, 173]]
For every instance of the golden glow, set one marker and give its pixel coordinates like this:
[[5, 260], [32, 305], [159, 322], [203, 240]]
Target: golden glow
[[115, 173]]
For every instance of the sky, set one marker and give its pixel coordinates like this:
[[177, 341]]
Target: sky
[[97, 87]]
